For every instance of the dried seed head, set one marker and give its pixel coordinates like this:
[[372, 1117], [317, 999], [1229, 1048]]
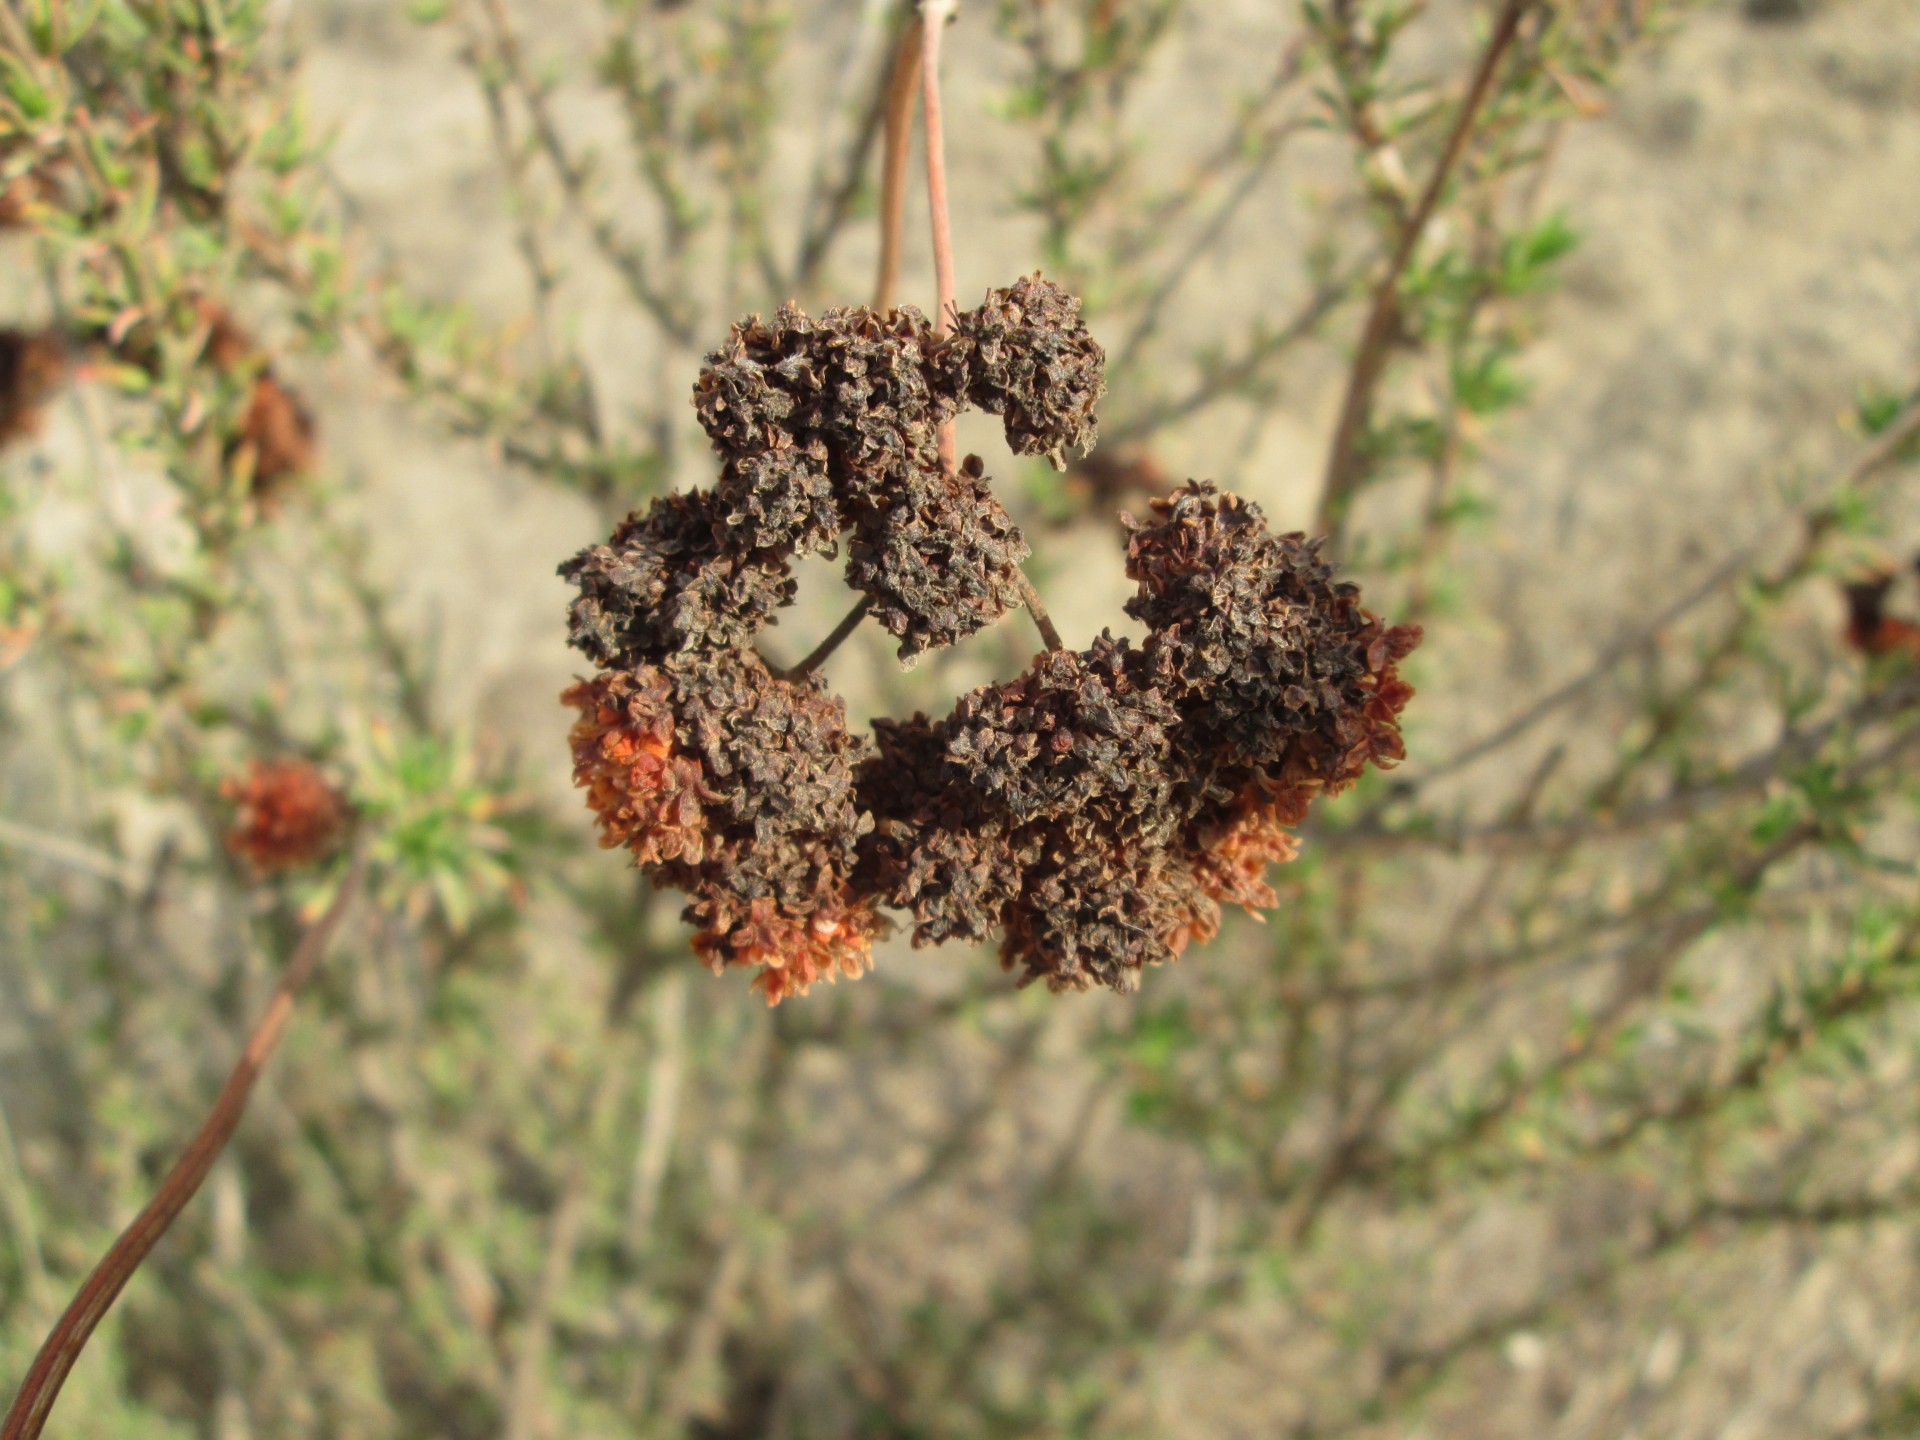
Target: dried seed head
[[1280, 667], [1026, 356], [669, 581], [940, 559], [32, 366], [1075, 735], [1096, 811], [1085, 919], [286, 815]]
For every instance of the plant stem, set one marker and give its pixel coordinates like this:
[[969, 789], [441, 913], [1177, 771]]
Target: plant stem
[[893, 175], [934, 15], [1042, 621], [1345, 472], [817, 657], [31, 1407]]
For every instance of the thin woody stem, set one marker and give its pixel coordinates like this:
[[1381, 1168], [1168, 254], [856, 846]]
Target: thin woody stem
[[893, 176], [934, 15], [1344, 468], [919, 58], [31, 1407], [1042, 621], [901, 90], [818, 656]]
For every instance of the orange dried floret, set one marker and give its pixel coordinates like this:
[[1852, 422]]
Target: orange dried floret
[[794, 954], [646, 795], [287, 815], [1232, 868]]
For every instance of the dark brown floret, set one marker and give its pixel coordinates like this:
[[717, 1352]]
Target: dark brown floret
[[834, 423], [668, 581], [286, 815], [1278, 660], [779, 498], [776, 753], [1075, 734], [940, 559], [1084, 919], [1026, 356]]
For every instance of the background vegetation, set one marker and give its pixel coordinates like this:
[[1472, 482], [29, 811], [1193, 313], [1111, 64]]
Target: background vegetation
[[1568, 1092]]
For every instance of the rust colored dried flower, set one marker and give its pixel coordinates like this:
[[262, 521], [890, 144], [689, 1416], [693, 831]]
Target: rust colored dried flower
[[1095, 811], [737, 787], [277, 439], [835, 939], [1870, 629], [646, 795], [32, 366], [18, 196], [287, 815]]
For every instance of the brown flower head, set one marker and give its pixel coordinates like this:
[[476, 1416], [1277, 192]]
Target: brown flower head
[[1870, 629], [277, 439], [1095, 811], [286, 815], [1025, 356], [32, 366]]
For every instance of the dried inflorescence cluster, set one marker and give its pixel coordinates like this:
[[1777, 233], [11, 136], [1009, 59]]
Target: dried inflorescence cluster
[[1095, 812], [1870, 629], [286, 815], [276, 441], [32, 365]]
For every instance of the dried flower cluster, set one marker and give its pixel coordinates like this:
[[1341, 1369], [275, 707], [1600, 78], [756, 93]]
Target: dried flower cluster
[[286, 815], [32, 365], [276, 440], [1870, 629], [1101, 808], [1096, 811]]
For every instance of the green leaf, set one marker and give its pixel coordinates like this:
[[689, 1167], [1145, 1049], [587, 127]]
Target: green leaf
[[1527, 256], [1875, 410], [25, 90]]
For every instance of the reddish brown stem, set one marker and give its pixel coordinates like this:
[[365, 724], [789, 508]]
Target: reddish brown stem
[[934, 15], [893, 176], [69, 1336], [1344, 469], [1041, 620], [848, 624]]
